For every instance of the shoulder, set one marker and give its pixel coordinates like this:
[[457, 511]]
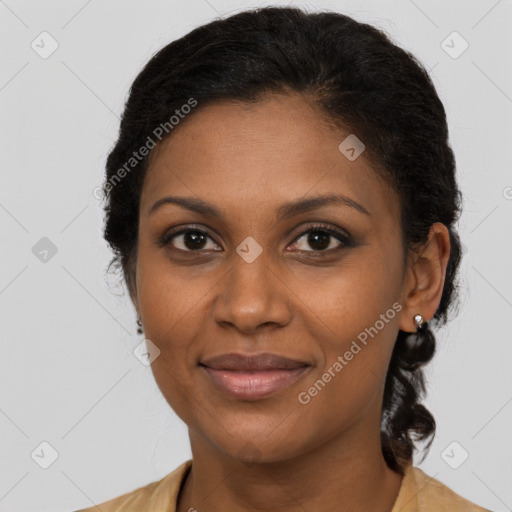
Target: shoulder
[[421, 492], [158, 496]]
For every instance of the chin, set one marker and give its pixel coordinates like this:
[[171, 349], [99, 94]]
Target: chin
[[258, 446]]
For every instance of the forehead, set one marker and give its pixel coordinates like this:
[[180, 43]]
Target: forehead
[[261, 155]]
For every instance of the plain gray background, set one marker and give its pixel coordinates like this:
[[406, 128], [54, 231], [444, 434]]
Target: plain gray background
[[68, 376]]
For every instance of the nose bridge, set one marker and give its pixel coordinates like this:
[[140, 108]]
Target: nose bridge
[[252, 294], [250, 268]]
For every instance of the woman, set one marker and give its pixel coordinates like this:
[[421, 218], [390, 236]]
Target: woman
[[282, 202]]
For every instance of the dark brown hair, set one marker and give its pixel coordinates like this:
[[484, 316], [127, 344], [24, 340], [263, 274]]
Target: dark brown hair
[[358, 78]]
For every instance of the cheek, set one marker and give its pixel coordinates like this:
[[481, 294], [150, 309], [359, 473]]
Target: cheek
[[169, 298], [343, 303], [354, 321], [173, 385], [174, 307], [349, 385]]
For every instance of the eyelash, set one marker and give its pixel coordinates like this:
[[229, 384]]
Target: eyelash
[[346, 240]]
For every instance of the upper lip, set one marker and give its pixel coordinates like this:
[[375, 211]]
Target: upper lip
[[252, 362]]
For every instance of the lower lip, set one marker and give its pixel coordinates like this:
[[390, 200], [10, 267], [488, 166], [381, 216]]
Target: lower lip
[[246, 385]]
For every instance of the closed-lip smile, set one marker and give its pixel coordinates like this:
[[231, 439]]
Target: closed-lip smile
[[252, 376]]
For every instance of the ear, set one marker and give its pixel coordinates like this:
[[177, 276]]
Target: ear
[[425, 277]]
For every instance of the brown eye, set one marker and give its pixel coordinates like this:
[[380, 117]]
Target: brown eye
[[318, 240], [322, 239], [192, 240], [189, 240]]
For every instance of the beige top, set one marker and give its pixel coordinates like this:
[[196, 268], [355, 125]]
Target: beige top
[[418, 493]]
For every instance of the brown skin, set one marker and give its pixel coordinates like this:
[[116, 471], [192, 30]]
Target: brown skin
[[206, 300]]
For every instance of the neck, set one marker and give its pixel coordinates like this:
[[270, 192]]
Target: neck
[[347, 473]]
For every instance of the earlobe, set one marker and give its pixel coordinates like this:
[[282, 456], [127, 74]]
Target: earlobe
[[426, 277]]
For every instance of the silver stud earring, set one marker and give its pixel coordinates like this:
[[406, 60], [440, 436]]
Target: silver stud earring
[[421, 323]]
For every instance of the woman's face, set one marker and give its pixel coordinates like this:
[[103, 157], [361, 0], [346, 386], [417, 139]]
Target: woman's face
[[264, 279]]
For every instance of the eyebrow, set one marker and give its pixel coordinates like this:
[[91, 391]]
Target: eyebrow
[[285, 211]]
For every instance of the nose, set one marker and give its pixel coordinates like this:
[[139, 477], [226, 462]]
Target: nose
[[253, 296]]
